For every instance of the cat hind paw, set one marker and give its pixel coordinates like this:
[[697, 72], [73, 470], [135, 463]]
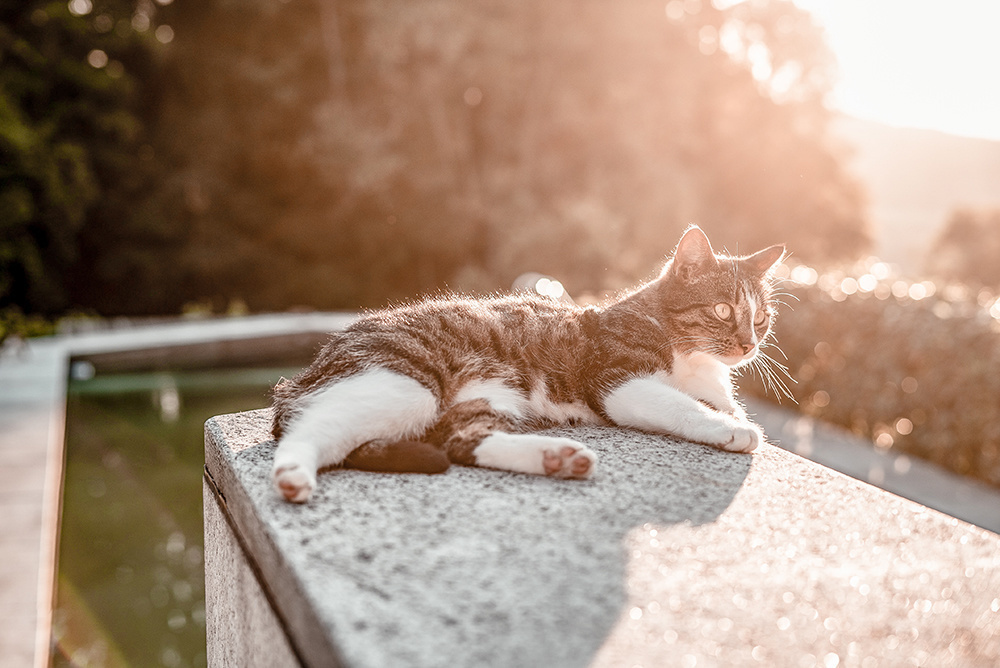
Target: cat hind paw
[[568, 461], [293, 482]]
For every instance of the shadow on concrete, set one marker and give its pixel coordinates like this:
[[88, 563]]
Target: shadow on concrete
[[487, 567]]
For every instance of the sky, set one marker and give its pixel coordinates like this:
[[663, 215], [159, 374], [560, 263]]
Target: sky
[[916, 63]]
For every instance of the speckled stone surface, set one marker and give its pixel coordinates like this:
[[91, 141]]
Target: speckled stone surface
[[674, 554]]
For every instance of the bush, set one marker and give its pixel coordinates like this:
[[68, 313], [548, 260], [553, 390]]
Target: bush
[[913, 366], [14, 323]]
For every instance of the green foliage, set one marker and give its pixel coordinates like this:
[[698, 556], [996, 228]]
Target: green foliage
[[14, 323], [968, 248], [910, 366], [67, 129]]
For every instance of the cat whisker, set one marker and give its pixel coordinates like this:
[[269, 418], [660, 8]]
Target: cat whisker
[[776, 298], [782, 280], [766, 377], [765, 366], [767, 359], [771, 344]]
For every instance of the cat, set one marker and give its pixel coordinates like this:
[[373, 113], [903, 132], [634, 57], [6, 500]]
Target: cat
[[467, 381]]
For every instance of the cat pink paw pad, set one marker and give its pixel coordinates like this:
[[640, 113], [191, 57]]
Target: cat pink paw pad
[[568, 462], [293, 483]]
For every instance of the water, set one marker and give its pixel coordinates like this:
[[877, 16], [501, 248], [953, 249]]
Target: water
[[130, 587]]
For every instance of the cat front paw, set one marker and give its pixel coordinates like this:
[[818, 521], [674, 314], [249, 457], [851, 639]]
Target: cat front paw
[[746, 437], [569, 461], [293, 482]]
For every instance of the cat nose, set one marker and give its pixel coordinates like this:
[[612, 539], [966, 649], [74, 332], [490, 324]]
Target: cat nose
[[747, 347]]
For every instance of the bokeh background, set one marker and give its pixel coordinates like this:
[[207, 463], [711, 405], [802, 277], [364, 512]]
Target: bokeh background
[[222, 156], [215, 158], [333, 155]]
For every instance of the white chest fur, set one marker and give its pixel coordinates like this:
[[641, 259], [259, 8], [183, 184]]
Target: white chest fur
[[703, 377]]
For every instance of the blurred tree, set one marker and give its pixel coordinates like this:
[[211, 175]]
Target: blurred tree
[[68, 132], [336, 154], [968, 248], [767, 168], [231, 137], [618, 126]]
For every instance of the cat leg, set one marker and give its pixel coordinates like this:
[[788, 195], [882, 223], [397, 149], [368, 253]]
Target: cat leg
[[473, 433], [536, 454], [377, 404], [649, 404]]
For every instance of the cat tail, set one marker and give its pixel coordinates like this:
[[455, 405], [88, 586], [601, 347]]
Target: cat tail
[[398, 457]]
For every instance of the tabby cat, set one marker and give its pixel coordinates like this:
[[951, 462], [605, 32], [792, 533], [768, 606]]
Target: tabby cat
[[471, 381]]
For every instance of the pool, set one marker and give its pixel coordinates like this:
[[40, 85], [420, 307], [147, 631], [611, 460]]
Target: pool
[[130, 578]]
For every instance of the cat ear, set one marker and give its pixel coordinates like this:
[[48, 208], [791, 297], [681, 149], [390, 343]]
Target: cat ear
[[761, 262], [693, 255]]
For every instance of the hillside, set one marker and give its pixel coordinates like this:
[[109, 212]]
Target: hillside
[[915, 178]]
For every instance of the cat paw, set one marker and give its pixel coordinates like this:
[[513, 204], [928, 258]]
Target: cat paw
[[536, 454], [568, 461], [293, 482], [746, 437]]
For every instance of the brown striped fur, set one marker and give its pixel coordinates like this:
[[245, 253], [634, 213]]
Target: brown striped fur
[[577, 354]]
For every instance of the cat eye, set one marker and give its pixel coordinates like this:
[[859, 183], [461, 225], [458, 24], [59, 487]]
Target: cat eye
[[760, 317], [724, 311]]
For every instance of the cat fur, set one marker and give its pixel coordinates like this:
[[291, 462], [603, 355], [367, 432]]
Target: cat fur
[[471, 381]]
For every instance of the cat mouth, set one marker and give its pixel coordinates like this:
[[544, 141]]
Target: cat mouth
[[738, 358]]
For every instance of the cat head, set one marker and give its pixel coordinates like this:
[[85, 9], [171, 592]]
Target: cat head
[[719, 304]]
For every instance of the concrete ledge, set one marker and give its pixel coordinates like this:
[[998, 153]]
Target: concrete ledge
[[674, 554], [239, 607]]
